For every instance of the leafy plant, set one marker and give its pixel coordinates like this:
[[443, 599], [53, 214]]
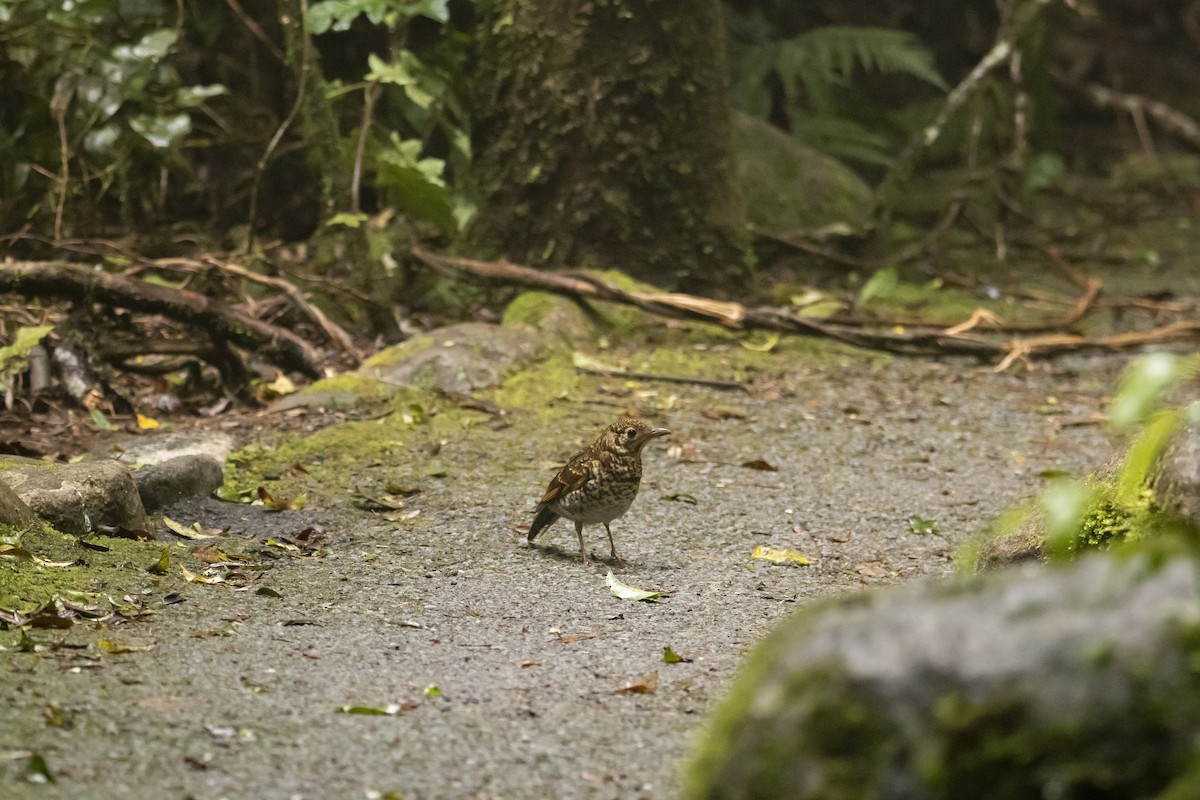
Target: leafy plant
[[806, 71], [95, 111]]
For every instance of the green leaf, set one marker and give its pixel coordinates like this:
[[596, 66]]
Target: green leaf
[[671, 657], [626, 592], [14, 357], [918, 524], [347, 219], [101, 421], [266, 591], [152, 47], [36, 770], [882, 285], [161, 132], [1065, 504], [432, 690], [1141, 389], [163, 564], [385, 711], [230, 495], [192, 96]]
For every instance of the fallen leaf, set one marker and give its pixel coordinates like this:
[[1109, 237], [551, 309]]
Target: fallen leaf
[[432, 690], [682, 497], [626, 592], [390, 710], [194, 532], [146, 423], [273, 503], [647, 685], [161, 566], [918, 524], [101, 421], [230, 495], [114, 648], [765, 346], [575, 637], [267, 591], [872, 569], [404, 491], [778, 556], [760, 464], [720, 413], [671, 657], [192, 577], [36, 770]]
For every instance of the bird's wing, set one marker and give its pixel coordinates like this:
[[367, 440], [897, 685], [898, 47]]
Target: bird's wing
[[569, 478]]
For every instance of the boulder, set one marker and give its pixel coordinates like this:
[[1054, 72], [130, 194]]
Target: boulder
[[76, 498], [160, 446], [13, 511], [1075, 681], [170, 481], [457, 358]]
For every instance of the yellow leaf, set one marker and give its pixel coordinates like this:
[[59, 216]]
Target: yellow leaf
[[777, 556], [762, 347], [112, 648], [146, 423]]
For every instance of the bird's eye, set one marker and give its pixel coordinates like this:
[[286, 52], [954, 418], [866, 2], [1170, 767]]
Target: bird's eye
[[630, 433]]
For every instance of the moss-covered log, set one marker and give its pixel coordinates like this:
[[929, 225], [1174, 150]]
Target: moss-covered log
[[602, 139]]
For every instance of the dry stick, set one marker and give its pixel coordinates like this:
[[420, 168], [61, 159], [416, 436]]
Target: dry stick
[[334, 332], [715, 383], [738, 317], [1136, 106], [73, 282]]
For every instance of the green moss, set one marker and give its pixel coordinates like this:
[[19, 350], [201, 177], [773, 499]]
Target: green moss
[[529, 309], [26, 585]]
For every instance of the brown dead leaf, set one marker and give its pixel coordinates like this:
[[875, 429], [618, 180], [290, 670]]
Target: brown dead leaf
[[720, 413], [760, 464], [647, 685], [872, 569]]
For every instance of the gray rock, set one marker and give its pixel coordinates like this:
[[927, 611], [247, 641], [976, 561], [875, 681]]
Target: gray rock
[[155, 448], [13, 510], [1177, 483], [1071, 682], [172, 480], [552, 315], [457, 358], [76, 498]]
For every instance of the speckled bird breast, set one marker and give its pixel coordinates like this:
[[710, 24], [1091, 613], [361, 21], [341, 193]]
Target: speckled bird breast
[[604, 497]]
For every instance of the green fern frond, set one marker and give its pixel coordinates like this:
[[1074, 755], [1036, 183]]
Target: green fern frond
[[844, 139], [836, 51]]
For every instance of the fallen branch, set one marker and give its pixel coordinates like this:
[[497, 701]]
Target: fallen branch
[[333, 332], [952, 341], [223, 324]]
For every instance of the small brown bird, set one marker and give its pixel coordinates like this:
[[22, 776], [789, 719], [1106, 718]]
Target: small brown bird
[[599, 483]]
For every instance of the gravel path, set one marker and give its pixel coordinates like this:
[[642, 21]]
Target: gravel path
[[239, 696]]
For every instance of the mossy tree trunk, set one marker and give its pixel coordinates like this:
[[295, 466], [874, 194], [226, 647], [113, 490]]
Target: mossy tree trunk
[[602, 139]]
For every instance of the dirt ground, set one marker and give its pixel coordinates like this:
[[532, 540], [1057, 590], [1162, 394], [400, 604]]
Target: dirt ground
[[514, 672]]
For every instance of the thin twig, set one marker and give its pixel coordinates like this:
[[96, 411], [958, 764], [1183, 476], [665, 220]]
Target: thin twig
[[715, 383]]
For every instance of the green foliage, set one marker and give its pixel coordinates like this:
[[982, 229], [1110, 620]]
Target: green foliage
[[1099, 514], [814, 71], [91, 83], [337, 15]]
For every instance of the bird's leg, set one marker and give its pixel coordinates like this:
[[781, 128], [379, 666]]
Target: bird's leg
[[612, 546], [583, 553]]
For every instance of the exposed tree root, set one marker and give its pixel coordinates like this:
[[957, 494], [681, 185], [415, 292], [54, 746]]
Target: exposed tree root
[[224, 325]]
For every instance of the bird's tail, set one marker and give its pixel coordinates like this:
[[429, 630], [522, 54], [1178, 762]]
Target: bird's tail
[[544, 519]]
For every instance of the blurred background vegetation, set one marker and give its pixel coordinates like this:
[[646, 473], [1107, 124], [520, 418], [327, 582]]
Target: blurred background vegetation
[[318, 139]]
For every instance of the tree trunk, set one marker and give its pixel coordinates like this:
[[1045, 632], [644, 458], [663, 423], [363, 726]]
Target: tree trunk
[[602, 139]]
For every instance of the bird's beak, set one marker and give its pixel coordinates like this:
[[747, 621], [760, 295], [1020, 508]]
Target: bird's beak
[[656, 432]]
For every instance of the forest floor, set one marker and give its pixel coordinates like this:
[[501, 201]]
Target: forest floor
[[511, 671], [503, 671]]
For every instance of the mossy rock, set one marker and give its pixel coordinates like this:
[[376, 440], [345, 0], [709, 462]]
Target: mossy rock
[[792, 189], [1072, 682], [1149, 490]]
